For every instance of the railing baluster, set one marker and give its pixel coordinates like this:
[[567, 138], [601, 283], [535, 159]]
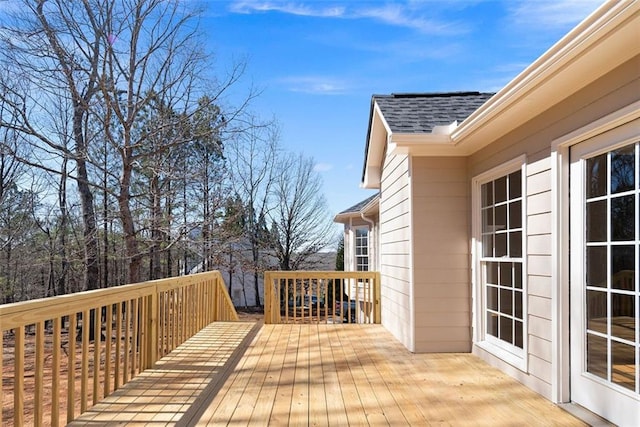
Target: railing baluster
[[107, 349], [118, 360], [55, 372], [84, 363], [39, 375], [71, 368], [127, 341], [97, 348], [18, 375]]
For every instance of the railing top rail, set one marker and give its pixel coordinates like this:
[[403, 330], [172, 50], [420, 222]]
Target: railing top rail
[[322, 274], [25, 312]]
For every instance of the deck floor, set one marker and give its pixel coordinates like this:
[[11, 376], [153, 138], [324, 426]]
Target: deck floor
[[319, 375]]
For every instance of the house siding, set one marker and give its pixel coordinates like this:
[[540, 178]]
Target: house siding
[[619, 89], [395, 249], [440, 228]]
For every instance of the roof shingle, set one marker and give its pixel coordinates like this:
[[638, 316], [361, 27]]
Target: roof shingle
[[420, 112]]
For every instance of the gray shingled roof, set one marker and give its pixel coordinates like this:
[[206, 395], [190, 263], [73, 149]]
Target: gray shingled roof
[[420, 112], [358, 206]]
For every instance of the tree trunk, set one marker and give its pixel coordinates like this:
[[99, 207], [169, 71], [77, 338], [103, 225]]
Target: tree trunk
[[128, 227]]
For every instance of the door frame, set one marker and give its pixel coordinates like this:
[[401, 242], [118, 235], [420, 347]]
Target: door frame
[[561, 163]]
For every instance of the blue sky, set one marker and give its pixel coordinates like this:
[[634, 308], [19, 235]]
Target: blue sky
[[318, 62]]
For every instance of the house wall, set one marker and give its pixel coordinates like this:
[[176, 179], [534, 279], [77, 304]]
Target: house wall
[[395, 249], [610, 93], [441, 252]]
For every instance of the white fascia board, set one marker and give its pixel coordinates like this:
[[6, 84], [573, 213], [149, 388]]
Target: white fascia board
[[380, 133], [606, 39], [422, 144]]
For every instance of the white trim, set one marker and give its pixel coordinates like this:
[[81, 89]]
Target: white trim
[[509, 354], [560, 272], [412, 274]]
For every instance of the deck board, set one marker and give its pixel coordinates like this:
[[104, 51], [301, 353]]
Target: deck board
[[319, 375]]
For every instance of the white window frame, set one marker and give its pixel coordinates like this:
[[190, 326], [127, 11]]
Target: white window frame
[[356, 246], [511, 354]]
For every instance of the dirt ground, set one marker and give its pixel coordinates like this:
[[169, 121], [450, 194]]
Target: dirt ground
[[250, 314]]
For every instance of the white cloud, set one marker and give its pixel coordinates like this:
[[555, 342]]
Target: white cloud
[[322, 167], [400, 15], [550, 13], [287, 7], [317, 85]]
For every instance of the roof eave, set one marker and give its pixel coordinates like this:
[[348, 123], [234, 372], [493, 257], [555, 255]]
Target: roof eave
[[602, 42]]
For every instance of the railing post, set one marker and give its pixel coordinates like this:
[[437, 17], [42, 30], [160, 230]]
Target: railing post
[[214, 298], [377, 297], [152, 329], [268, 291]]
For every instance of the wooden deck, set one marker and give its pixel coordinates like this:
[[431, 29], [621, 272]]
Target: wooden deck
[[247, 374]]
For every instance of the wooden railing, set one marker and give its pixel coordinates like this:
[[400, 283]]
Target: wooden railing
[[322, 297], [135, 326]]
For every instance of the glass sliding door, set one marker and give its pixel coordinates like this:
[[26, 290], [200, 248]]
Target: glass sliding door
[[605, 265]]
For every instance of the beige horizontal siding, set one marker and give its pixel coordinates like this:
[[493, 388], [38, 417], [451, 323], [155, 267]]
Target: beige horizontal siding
[[395, 249], [440, 192]]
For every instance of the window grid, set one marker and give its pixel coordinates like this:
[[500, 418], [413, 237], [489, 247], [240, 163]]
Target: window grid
[[501, 260], [362, 249], [612, 264]]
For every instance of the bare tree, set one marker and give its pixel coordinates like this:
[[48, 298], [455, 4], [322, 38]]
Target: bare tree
[[252, 156], [301, 223]]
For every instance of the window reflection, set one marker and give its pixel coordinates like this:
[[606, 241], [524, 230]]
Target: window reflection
[[597, 176], [623, 169], [597, 355], [623, 213]]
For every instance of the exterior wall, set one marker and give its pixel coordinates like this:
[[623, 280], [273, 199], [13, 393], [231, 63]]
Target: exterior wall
[[440, 195], [395, 249], [619, 89]]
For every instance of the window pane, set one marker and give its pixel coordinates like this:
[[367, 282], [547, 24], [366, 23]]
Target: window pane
[[623, 169], [487, 245], [505, 274], [487, 220], [597, 355], [597, 221], [501, 189], [597, 266], [517, 305], [501, 245], [492, 324], [623, 224], [517, 275], [624, 280], [506, 329], [492, 298], [487, 194], [597, 176], [597, 311], [492, 273], [623, 317], [501, 218], [623, 371], [518, 334], [515, 244], [623, 267], [506, 301], [515, 185], [515, 215]]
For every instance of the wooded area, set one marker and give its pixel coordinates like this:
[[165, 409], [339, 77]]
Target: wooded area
[[125, 157]]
